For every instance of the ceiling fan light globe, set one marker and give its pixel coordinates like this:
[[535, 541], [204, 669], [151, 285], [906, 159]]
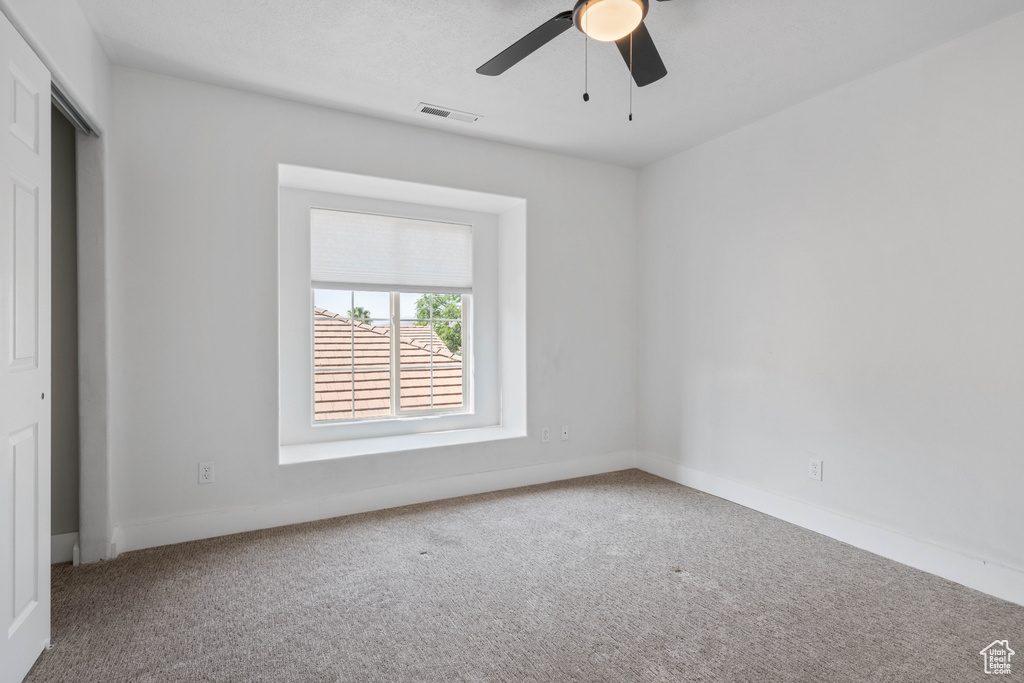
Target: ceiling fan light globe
[[609, 20]]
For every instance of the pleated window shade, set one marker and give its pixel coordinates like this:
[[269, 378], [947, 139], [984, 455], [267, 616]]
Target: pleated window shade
[[389, 253]]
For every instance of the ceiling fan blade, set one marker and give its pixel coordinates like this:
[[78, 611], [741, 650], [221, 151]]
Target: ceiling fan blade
[[647, 64], [537, 38]]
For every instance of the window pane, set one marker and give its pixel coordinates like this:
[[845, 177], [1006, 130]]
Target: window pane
[[371, 305], [450, 334], [448, 385], [373, 392], [443, 313], [415, 354], [447, 306], [415, 389], [332, 341], [431, 376], [372, 341], [332, 398], [359, 305], [352, 355], [407, 306], [344, 395], [426, 305], [332, 301]]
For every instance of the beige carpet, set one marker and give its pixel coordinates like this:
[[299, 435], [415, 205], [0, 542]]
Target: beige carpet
[[618, 577]]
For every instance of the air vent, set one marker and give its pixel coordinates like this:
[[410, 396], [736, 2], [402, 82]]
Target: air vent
[[446, 113]]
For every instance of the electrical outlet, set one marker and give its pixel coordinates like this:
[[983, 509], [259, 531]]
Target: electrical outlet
[[545, 434], [814, 469], [206, 473], [565, 432]]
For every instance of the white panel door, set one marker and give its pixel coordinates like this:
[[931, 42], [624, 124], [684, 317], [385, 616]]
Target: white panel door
[[24, 355]]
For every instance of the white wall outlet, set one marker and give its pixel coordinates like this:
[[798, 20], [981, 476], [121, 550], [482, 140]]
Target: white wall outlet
[[206, 473], [814, 469], [545, 434], [565, 432]]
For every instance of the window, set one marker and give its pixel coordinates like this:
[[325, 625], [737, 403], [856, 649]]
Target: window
[[401, 315], [359, 370], [397, 352]]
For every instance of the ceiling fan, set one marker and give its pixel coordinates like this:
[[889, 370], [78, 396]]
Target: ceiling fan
[[621, 21]]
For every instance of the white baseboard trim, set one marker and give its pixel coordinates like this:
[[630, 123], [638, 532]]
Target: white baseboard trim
[[62, 547], [169, 530], [977, 573]]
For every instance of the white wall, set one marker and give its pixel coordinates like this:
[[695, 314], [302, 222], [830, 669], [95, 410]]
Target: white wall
[[844, 280], [194, 298]]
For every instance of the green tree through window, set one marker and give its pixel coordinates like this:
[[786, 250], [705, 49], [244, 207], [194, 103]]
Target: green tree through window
[[447, 318], [359, 313]]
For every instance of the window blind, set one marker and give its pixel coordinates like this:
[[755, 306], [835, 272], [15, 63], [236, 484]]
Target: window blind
[[358, 249]]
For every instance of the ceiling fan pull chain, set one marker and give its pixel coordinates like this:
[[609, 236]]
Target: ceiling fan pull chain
[[586, 65], [631, 77]]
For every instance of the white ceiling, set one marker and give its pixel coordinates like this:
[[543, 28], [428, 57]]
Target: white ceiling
[[729, 62]]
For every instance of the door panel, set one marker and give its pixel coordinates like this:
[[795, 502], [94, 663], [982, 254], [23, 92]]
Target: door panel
[[24, 355], [25, 118], [25, 457], [24, 276]]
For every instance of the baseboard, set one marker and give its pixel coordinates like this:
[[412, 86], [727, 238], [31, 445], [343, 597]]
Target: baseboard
[[169, 530], [62, 547], [977, 573]]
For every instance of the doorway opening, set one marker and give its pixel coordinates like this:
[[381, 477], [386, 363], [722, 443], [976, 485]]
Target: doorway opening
[[64, 387]]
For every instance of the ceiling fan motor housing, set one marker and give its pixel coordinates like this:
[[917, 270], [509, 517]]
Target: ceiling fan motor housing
[[608, 20]]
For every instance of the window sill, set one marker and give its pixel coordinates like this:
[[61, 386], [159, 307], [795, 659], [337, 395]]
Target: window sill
[[333, 450]]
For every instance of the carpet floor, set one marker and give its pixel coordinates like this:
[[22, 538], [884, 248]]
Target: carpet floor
[[617, 577]]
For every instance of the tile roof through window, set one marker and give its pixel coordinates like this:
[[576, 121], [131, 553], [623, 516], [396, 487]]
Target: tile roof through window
[[352, 368]]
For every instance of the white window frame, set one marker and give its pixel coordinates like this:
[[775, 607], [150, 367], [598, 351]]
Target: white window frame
[[507, 271], [297, 417], [395, 319]]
